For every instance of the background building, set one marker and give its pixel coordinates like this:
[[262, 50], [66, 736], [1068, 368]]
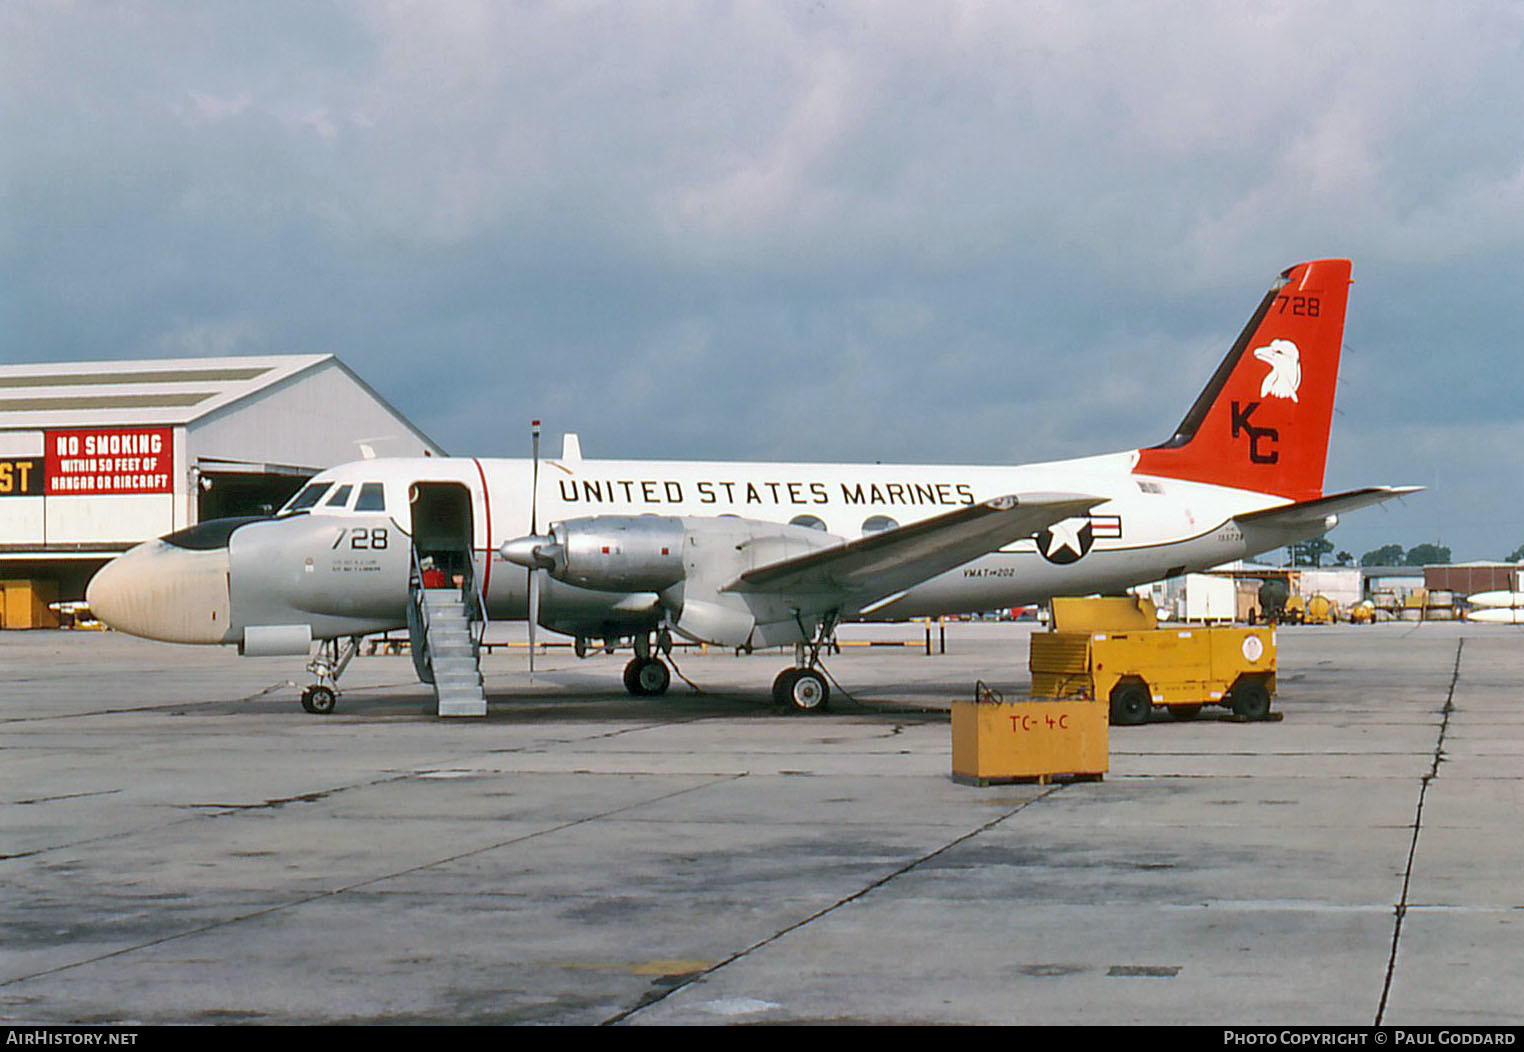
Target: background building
[[97, 456]]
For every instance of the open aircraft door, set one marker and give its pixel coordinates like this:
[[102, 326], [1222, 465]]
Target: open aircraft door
[[443, 528]]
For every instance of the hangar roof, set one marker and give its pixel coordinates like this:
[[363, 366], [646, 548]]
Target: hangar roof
[[147, 391], [158, 391]]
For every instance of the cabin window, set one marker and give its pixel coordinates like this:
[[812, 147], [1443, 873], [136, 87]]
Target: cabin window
[[340, 497], [809, 522], [372, 497], [878, 524]]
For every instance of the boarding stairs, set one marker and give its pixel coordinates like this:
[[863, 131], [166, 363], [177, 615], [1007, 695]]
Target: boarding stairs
[[445, 626]]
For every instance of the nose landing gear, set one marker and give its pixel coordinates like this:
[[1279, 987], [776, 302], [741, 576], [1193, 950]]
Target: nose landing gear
[[323, 696]]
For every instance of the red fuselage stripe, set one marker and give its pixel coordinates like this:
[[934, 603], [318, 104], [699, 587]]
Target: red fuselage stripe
[[487, 509]]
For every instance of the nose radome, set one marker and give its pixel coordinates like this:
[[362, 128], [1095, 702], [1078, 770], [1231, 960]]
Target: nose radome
[[160, 591]]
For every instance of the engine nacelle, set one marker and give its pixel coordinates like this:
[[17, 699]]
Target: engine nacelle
[[688, 563], [617, 553]]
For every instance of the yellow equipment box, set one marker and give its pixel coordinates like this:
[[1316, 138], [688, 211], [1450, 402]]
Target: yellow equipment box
[[1181, 669], [1107, 614], [1013, 741], [24, 604]]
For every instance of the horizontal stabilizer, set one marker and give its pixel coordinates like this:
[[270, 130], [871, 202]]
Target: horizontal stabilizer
[[1312, 512], [884, 563]]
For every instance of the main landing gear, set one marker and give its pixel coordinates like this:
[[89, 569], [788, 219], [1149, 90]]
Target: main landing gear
[[648, 675], [803, 688], [329, 664]]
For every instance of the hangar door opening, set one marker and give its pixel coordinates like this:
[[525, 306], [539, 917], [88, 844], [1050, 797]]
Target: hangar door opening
[[442, 527], [221, 493]]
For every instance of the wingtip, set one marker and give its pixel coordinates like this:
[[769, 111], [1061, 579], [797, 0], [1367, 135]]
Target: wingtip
[[1391, 492]]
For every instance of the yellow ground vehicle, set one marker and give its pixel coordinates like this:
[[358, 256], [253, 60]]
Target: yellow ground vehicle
[[1123, 656], [1321, 611]]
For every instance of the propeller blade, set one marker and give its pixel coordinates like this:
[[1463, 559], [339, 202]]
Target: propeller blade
[[534, 614], [534, 484]]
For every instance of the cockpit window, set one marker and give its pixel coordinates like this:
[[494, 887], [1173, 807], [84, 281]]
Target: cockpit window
[[340, 497], [372, 497], [307, 497]]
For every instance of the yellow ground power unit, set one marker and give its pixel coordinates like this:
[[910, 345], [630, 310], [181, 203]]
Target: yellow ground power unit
[[1134, 669], [1321, 611], [994, 740]]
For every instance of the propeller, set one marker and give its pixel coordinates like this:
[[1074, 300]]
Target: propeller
[[534, 552], [534, 530]]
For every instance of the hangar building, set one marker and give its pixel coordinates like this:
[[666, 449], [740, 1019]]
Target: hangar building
[[97, 456]]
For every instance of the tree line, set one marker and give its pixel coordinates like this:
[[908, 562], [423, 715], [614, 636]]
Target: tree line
[[1313, 552]]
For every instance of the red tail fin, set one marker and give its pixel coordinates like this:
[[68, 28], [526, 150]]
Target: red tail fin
[[1263, 421]]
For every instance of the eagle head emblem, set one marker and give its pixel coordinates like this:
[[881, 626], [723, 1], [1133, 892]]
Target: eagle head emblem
[[1285, 363]]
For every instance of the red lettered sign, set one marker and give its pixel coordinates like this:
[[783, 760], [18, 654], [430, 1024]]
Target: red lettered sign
[[110, 461]]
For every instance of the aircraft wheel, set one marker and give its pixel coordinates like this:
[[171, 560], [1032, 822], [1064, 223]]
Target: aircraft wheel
[[655, 677], [1130, 704], [632, 676], [579, 646], [783, 686], [645, 677], [1185, 713], [319, 700], [808, 692], [1251, 701]]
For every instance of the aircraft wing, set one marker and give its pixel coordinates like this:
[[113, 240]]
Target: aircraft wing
[[1312, 512], [885, 563]]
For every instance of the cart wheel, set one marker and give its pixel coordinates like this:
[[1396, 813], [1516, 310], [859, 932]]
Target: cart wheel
[[1130, 704], [1251, 701]]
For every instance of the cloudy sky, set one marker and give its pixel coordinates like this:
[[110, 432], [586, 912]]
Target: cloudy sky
[[926, 232]]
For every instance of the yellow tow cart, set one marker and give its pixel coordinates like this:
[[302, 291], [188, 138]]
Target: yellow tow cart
[[1114, 649]]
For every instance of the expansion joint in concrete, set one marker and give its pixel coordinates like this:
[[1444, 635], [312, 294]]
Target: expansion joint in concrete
[[657, 996], [1401, 910]]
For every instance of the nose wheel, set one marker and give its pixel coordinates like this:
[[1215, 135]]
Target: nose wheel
[[319, 699]]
